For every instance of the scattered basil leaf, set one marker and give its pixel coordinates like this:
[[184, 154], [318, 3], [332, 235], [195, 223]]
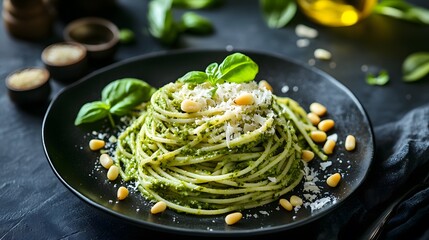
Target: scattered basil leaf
[[194, 23], [126, 36], [118, 98], [402, 10], [91, 112], [163, 26], [161, 22], [278, 13], [196, 4], [381, 79], [236, 67], [415, 66]]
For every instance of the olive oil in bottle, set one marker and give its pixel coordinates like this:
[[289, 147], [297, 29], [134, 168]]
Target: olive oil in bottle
[[336, 13]]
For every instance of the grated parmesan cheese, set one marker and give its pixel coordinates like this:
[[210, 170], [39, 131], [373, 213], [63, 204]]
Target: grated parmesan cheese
[[324, 165], [319, 203], [272, 179], [333, 137], [244, 118]]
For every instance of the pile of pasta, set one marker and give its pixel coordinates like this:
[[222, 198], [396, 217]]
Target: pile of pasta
[[223, 157]]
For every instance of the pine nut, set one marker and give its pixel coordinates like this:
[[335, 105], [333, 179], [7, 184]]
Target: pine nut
[[286, 204], [122, 193], [106, 161], [318, 136], [295, 200], [190, 106], [329, 146], [333, 180], [322, 54], [96, 144], [233, 218], [159, 207], [304, 31], [265, 84], [314, 118], [350, 143], [318, 109], [307, 155], [244, 99], [326, 125], [113, 173]]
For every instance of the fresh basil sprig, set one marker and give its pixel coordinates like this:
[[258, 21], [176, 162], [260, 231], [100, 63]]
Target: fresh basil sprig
[[237, 68], [278, 13], [402, 10], [415, 66], [118, 98]]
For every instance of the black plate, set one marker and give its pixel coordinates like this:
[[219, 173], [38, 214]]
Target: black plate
[[76, 166]]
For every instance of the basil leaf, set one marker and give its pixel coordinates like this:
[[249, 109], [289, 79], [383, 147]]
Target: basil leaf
[[194, 23], [194, 77], [91, 112], [126, 36], [381, 79], [124, 94], [278, 13], [195, 4], [211, 69], [237, 68], [161, 22], [415, 66], [402, 10]]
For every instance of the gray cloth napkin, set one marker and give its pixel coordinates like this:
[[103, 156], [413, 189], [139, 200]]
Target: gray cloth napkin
[[401, 161]]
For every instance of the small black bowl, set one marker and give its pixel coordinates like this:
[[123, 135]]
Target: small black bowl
[[29, 86], [98, 35], [66, 61]]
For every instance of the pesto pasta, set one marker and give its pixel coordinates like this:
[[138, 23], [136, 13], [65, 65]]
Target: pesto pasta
[[220, 158]]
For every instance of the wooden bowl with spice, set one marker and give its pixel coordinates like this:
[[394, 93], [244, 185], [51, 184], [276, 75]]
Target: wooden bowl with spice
[[66, 61], [29, 86]]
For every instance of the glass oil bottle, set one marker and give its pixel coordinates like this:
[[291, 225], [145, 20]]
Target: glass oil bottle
[[336, 13]]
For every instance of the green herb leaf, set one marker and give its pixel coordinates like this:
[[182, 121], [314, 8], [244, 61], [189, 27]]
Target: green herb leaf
[[381, 79], [126, 36], [91, 112], [124, 94], [118, 98], [237, 68], [211, 69], [402, 10], [161, 22], [278, 13], [415, 66], [195, 4], [194, 23], [194, 77]]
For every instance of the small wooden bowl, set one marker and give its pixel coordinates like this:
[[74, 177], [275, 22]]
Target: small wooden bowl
[[66, 61], [98, 35], [29, 86]]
